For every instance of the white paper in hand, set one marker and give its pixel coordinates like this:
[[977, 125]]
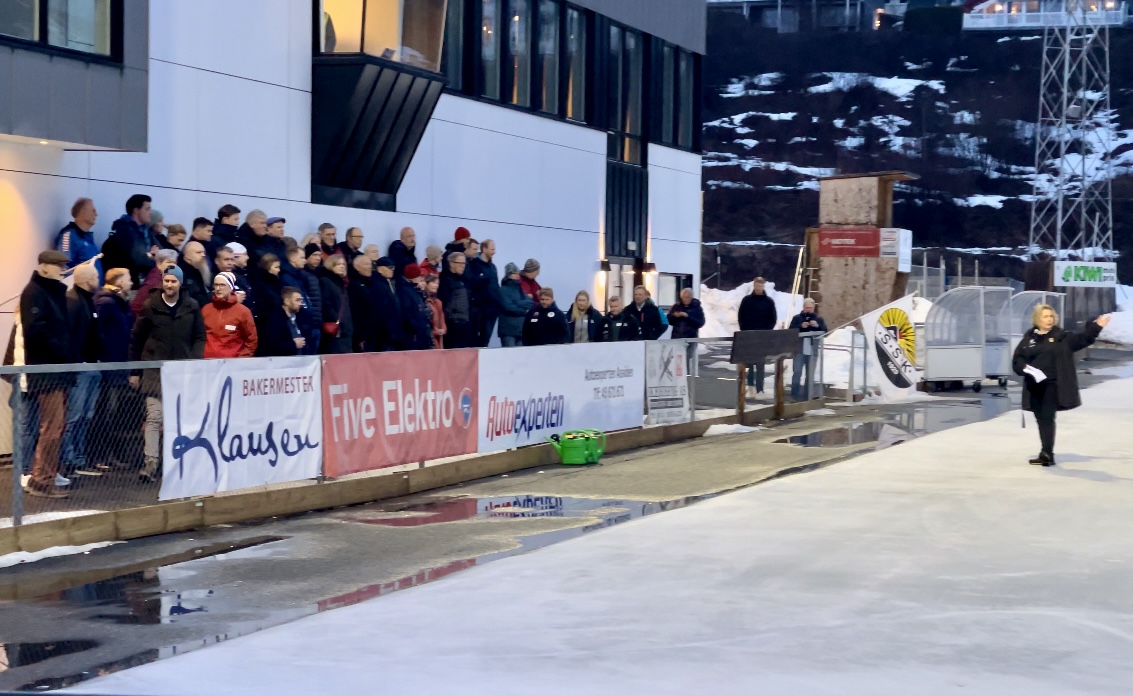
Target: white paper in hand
[[1035, 373]]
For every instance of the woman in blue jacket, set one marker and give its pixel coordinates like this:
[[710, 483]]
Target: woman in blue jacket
[[514, 304]]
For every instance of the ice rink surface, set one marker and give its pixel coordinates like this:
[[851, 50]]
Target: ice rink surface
[[946, 565]]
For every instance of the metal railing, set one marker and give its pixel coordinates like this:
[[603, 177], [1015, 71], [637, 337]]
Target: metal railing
[[1005, 19]]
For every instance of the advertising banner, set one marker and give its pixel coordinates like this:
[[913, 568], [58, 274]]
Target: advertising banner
[[849, 241], [1085, 274], [892, 347], [387, 409], [666, 382], [898, 244], [232, 424], [528, 395]]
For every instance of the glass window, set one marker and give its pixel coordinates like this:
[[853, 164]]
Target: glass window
[[341, 26], [576, 59], [687, 81], [614, 83], [452, 60], [383, 29], [668, 96], [422, 32], [20, 18], [490, 48], [549, 54], [519, 51], [81, 25], [635, 63]]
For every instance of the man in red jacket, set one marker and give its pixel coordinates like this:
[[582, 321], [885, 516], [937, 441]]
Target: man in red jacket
[[230, 330]]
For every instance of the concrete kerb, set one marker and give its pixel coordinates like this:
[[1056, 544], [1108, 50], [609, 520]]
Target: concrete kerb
[[185, 515]]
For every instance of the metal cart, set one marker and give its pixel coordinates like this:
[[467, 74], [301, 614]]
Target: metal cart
[[955, 339]]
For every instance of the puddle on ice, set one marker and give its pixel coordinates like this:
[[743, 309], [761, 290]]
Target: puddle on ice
[[903, 426]]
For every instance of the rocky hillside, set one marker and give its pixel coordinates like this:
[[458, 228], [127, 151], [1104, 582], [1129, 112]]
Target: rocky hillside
[[959, 111]]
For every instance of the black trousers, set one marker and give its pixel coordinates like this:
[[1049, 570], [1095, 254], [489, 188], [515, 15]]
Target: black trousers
[[1044, 404]]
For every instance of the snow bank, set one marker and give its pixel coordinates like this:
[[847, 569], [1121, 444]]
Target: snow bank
[[21, 557], [721, 308], [900, 87], [714, 430], [1120, 329]]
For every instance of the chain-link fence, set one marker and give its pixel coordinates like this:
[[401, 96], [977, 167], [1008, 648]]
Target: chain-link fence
[[83, 438]]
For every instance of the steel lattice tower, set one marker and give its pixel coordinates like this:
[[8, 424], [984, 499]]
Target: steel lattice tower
[[1073, 192]]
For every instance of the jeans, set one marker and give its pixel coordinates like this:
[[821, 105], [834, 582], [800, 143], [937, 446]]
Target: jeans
[[511, 341], [25, 426], [487, 327], [52, 406], [756, 375], [801, 364], [154, 416], [80, 411]]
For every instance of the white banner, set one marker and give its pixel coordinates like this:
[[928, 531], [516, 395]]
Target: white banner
[[232, 424], [529, 394], [891, 342], [666, 382], [1085, 274]]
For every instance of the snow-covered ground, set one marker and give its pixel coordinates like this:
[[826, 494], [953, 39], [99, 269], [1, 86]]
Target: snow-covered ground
[[928, 568], [22, 557]]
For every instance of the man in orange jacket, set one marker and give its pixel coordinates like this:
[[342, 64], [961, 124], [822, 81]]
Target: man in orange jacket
[[230, 330]]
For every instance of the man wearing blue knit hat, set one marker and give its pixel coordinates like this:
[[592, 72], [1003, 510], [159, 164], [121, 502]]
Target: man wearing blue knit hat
[[169, 327]]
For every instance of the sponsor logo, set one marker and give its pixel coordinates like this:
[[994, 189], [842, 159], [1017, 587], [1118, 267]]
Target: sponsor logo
[[521, 418], [896, 344], [404, 410]]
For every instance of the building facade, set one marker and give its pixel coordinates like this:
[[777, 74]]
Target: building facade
[[567, 132]]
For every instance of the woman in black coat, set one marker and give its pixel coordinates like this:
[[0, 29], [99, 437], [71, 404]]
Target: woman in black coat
[[1045, 360], [336, 308], [584, 322]]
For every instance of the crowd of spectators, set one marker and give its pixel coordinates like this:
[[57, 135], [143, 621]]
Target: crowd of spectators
[[226, 289]]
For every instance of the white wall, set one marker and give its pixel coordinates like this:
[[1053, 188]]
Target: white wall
[[229, 120]]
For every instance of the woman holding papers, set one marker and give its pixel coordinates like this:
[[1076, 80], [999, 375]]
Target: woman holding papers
[[1045, 361]]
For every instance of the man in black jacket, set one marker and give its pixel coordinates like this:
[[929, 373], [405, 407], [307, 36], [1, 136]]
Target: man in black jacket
[[197, 276], [279, 331], [647, 313], [84, 394], [403, 251], [119, 408], [757, 313], [387, 305], [418, 317], [169, 327], [224, 229], [806, 321], [687, 316], [487, 297], [47, 341], [620, 325], [457, 300], [546, 324], [360, 292], [131, 244]]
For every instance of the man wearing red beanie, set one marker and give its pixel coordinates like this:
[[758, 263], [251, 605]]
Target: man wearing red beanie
[[460, 241]]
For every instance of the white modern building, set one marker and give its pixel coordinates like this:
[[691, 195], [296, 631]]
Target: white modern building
[[565, 131]]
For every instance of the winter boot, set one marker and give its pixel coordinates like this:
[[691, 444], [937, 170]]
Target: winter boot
[[149, 471], [1044, 459]]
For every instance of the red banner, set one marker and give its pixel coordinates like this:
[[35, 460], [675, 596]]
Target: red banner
[[387, 409], [849, 241]]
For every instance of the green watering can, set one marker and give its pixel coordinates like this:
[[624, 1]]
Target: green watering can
[[579, 447]]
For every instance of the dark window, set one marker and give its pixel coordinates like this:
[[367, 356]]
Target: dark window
[[687, 99], [81, 26], [519, 52], [614, 75], [452, 60], [625, 79], [549, 55], [668, 94], [576, 62], [490, 48]]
